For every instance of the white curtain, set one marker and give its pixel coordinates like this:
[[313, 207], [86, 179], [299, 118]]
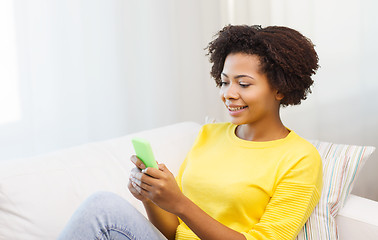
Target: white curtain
[[90, 70]]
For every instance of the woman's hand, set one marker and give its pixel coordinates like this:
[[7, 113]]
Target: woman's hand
[[158, 185], [133, 188], [158, 188]]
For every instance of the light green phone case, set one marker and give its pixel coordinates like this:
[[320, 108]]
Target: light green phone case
[[143, 151]]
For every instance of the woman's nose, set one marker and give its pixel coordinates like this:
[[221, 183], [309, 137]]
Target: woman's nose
[[230, 92]]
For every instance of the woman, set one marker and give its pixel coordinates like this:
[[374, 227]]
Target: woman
[[252, 178]]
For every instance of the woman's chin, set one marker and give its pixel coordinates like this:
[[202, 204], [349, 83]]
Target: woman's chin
[[237, 121]]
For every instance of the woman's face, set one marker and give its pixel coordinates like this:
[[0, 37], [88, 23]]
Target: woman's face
[[246, 92]]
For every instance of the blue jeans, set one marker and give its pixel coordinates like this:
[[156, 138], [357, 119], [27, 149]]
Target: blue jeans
[[106, 215]]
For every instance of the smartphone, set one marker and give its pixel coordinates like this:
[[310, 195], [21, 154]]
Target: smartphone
[[144, 152]]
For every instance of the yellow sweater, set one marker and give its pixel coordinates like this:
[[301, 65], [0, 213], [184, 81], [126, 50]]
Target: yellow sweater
[[264, 190]]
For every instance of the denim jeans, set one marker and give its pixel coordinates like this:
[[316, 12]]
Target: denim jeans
[[106, 215]]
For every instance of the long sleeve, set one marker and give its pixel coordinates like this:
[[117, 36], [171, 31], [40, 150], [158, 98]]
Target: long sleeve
[[293, 201]]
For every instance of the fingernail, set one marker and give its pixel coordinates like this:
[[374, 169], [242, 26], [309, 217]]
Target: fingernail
[[142, 166]]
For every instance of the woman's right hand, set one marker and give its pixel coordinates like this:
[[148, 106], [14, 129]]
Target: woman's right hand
[[131, 185]]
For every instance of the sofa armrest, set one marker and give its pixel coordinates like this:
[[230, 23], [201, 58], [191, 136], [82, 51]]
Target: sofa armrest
[[358, 219]]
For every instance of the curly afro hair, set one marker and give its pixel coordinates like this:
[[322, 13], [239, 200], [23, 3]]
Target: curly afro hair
[[287, 57]]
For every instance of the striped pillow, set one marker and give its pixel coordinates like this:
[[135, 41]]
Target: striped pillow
[[341, 164]]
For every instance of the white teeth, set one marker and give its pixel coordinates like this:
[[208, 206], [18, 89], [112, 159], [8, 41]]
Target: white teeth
[[236, 109]]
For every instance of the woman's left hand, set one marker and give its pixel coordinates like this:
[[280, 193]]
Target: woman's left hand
[[160, 186]]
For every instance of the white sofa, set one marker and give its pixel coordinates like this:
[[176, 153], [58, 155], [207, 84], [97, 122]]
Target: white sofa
[[39, 194]]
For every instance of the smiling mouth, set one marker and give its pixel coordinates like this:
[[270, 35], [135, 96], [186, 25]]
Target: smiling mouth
[[236, 109]]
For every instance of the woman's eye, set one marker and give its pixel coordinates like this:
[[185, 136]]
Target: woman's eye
[[223, 83], [244, 85]]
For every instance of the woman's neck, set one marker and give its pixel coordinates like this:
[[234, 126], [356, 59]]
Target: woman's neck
[[262, 133]]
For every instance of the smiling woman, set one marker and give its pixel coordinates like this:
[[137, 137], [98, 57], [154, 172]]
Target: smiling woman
[[261, 69], [246, 92], [251, 178]]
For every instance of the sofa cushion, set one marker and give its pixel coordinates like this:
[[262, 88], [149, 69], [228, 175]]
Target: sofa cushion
[[38, 195]]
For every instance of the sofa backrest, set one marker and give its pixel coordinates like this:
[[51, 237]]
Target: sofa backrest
[[39, 194]]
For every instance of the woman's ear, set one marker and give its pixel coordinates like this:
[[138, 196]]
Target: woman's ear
[[279, 96]]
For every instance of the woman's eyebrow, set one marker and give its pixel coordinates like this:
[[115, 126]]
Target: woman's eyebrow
[[238, 76], [242, 76], [224, 75]]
